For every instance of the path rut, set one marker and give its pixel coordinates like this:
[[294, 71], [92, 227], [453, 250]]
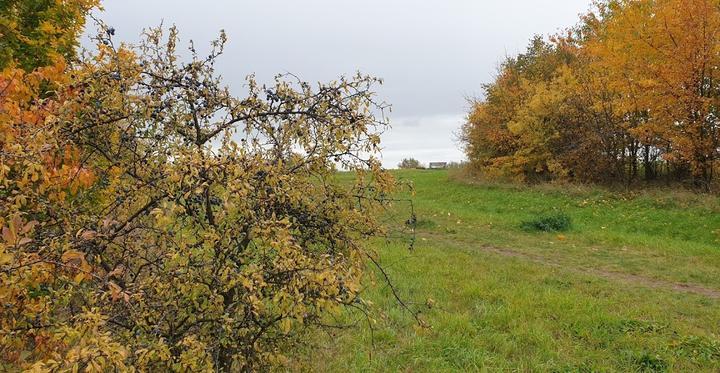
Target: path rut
[[611, 275]]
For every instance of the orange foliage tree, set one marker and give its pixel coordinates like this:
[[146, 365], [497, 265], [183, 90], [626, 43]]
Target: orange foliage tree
[[634, 95]]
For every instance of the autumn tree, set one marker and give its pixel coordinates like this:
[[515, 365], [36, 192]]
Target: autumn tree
[[40, 175], [409, 163], [665, 53], [152, 220], [35, 32], [502, 132], [628, 93]]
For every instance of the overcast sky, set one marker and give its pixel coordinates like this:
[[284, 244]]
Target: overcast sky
[[432, 54]]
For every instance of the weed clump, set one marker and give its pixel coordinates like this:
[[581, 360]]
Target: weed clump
[[559, 222], [425, 224], [698, 349], [649, 362]]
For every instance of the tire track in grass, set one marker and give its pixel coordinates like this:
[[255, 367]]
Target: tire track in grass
[[610, 275], [617, 276]]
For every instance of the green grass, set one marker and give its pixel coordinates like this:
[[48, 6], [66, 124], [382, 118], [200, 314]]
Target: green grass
[[633, 285]]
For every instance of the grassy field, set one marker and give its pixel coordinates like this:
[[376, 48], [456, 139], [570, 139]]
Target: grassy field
[[634, 285]]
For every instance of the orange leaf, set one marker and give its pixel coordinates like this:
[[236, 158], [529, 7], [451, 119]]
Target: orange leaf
[[8, 235], [71, 255]]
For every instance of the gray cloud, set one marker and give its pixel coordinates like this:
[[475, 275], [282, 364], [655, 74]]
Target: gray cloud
[[427, 138], [432, 53]]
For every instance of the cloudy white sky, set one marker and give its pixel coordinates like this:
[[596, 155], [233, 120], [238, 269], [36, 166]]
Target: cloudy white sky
[[432, 54]]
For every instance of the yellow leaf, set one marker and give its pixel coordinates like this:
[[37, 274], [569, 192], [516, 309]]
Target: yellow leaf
[[285, 325], [5, 257], [79, 278], [47, 28], [71, 255]]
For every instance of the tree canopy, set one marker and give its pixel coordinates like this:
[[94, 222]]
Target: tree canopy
[[408, 163], [34, 32], [630, 93]]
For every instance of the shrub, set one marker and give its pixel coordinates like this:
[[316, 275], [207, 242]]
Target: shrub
[[410, 163], [150, 219]]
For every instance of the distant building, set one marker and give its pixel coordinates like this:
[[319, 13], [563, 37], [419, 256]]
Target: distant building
[[438, 165]]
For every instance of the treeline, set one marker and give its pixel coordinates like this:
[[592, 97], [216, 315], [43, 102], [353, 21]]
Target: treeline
[[629, 94]]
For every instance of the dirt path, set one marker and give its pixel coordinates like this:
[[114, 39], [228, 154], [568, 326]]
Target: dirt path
[[626, 278]]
